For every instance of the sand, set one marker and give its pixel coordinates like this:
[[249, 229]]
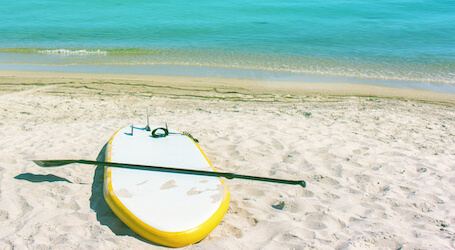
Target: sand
[[379, 162]]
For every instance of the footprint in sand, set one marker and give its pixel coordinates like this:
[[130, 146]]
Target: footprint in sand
[[315, 225], [321, 221], [291, 157], [326, 180]]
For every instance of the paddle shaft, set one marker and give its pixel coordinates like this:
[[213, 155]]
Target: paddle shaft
[[56, 163]]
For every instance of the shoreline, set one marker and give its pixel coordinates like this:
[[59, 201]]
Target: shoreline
[[223, 85], [230, 73]]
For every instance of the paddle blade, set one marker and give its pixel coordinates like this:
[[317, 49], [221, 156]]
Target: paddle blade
[[52, 163]]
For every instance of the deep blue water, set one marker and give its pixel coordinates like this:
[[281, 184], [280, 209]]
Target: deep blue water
[[391, 40]]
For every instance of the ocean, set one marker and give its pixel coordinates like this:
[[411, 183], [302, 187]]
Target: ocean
[[391, 42]]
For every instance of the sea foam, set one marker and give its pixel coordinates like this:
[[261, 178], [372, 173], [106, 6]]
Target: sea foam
[[68, 52]]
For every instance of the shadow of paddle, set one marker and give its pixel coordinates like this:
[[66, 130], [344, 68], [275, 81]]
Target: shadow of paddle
[[40, 178], [103, 213]]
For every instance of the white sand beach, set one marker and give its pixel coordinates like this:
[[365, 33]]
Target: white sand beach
[[379, 162]]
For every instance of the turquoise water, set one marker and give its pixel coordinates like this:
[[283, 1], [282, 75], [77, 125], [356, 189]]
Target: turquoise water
[[385, 40]]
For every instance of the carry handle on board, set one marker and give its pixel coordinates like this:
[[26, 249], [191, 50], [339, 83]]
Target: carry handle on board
[[58, 163]]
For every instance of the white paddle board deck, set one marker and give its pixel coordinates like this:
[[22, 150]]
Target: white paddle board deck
[[169, 209]]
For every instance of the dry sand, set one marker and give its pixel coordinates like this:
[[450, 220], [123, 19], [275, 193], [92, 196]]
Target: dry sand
[[379, 162]]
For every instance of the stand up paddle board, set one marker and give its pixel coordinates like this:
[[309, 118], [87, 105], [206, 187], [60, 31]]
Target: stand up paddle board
[[169, 209]]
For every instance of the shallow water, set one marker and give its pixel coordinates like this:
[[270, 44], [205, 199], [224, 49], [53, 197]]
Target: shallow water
[[381, 40]]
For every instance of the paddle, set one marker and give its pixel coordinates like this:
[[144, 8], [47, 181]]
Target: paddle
[[58, 163]]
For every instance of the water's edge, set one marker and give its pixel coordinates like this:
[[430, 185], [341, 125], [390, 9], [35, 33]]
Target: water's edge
[[218, 72]]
